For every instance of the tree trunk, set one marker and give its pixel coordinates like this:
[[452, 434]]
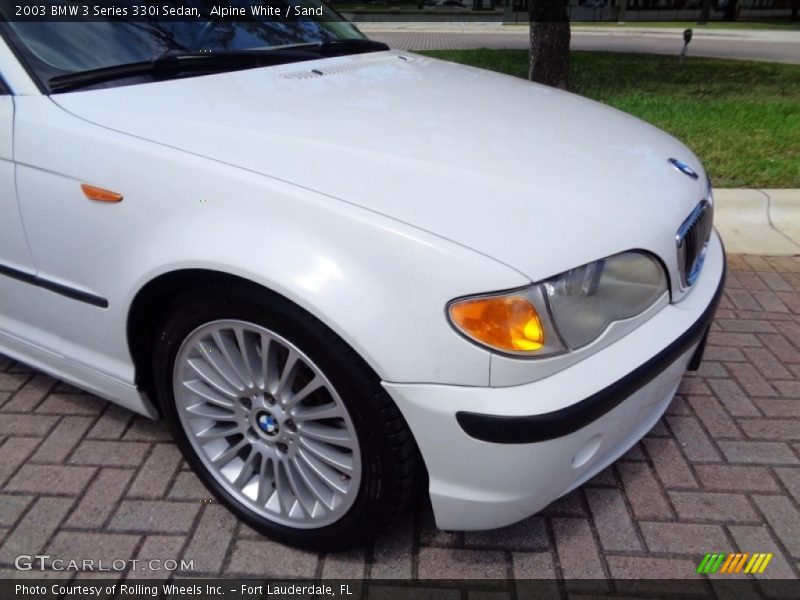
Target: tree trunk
[[549, 62], [622, 6], [705, 12], [730, 10]]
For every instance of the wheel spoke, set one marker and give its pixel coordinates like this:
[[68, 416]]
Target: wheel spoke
[[207, 393], [287, 375], [331, 478], [211, 412], [325, 411], [324, 493], [214, 355], [323, 433], [266, 480], [246, 474], [269, 364], [234, 360], [286, 497], [210, 376], [338, 459], [298, 487], [309, 388], [215, 432], [249, 352], [226, 456]]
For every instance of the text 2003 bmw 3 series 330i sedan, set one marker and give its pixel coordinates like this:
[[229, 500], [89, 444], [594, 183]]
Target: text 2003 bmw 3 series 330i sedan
[[280, 237]]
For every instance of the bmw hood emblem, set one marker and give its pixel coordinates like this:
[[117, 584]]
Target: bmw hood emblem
[[683, 168], [268, 424]]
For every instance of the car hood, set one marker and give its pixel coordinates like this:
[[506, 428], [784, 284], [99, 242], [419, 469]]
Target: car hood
[[539, 179]]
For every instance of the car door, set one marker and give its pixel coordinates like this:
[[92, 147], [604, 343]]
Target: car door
[[17, 271], [14, 253]]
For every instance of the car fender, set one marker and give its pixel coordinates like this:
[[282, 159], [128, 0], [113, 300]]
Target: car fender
[[382, 285]]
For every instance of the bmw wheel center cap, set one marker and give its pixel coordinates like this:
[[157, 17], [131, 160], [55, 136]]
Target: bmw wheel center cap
[[268, 424]]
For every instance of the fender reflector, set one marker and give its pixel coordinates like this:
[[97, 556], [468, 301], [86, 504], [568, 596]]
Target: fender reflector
[[99, 194]]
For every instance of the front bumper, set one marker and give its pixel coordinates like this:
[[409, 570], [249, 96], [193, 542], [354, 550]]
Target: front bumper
[[497, 455]]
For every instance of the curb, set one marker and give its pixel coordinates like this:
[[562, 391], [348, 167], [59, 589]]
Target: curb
[[757, 221]]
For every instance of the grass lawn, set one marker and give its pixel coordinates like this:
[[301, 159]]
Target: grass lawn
[[741, 118], [780, 25], [788, 25]]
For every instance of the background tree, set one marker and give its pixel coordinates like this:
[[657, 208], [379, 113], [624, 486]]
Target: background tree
[[705, 13], [550, 33], [730, 10]]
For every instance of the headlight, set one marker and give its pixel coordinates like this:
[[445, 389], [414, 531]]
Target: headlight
[[565, 312], [586, 300]]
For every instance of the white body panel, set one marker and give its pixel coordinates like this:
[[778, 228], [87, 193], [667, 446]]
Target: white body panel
[[479, 485], [364, 196], [330, 257], [13, 245], [384, 133]]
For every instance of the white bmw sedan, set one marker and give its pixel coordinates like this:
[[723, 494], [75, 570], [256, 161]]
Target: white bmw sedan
[[281, 237]]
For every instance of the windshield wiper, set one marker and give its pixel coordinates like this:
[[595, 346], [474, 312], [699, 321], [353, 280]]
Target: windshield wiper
[[172, 64], [349, 46]]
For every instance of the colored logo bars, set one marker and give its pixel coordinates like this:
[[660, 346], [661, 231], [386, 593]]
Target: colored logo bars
[[720, 562]]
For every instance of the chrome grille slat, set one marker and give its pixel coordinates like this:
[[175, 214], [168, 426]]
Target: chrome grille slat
[[692, 240]]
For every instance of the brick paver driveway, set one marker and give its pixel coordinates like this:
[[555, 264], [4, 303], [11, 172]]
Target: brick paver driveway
[[81, 478]]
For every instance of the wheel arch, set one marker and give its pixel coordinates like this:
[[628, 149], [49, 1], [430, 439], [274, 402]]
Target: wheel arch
[[146, 314], [151, 304], [150, 308]]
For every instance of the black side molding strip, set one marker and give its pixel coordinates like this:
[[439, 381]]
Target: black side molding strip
[[548, 426], [54, 287]]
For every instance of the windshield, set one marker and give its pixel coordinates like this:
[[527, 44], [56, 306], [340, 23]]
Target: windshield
[[52, 49]]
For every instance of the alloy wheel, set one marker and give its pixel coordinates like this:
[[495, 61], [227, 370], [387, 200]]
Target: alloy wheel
[[267, 424]]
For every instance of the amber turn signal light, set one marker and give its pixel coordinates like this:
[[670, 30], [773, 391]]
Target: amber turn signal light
[[99, 194], [503, 322]]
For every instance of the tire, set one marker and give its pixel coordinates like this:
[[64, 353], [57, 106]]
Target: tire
[[326, 472]]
